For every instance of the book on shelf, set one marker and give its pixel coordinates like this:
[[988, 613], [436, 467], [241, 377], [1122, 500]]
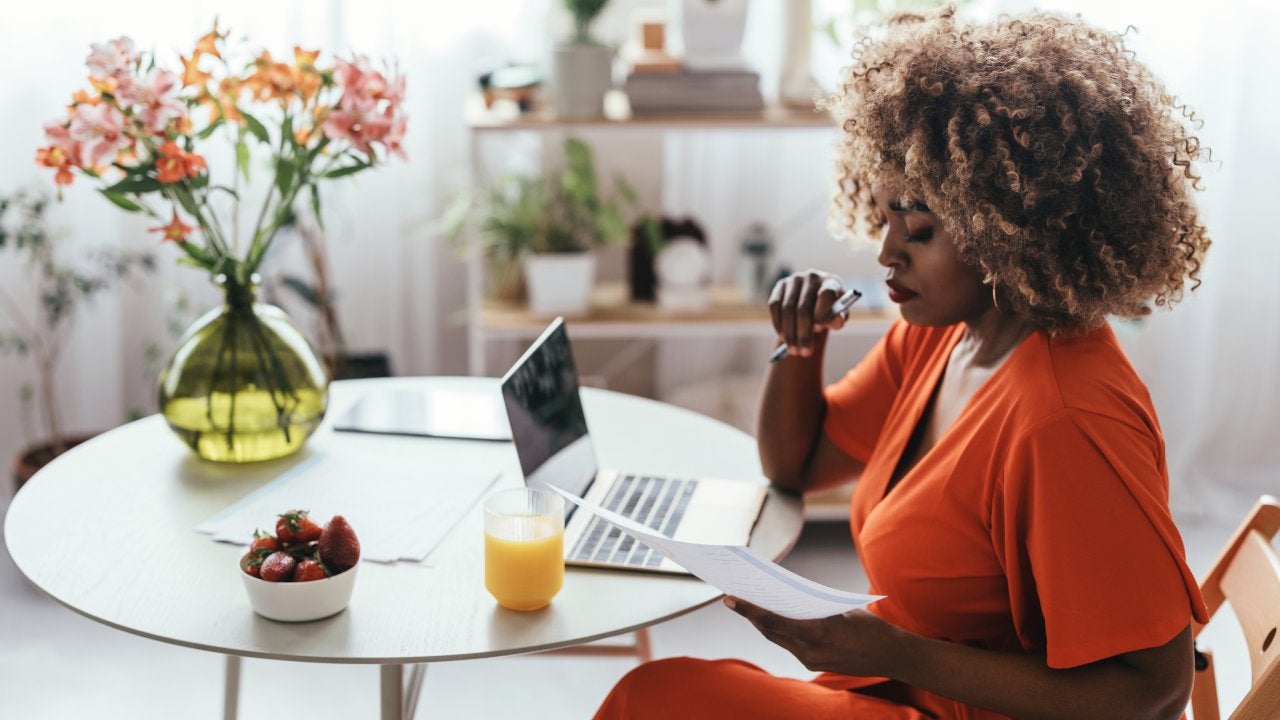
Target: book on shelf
[[694, 91]]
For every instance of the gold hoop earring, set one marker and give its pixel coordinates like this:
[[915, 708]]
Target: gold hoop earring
[[995, 301]]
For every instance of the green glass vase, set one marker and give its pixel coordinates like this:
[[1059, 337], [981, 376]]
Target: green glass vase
[[244, 384]]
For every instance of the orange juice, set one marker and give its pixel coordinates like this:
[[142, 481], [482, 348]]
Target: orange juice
[[524, 561]]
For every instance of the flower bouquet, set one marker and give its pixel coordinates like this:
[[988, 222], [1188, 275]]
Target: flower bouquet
[[244, 384]]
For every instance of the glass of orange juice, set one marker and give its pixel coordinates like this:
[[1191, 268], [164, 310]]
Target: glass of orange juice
[[524, 547]]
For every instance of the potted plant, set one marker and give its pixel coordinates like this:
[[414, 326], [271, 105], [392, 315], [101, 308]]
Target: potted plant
[[62, 287], [583, 67], [547, 226]]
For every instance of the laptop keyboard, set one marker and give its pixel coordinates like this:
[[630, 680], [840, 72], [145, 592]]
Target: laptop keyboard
[[658, 503]]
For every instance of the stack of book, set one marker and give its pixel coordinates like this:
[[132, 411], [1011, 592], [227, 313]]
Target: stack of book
[[687, 91]]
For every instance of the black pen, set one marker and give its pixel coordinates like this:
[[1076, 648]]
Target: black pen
[[842, 305]]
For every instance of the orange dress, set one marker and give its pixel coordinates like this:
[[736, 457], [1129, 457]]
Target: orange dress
[[1038, 523]]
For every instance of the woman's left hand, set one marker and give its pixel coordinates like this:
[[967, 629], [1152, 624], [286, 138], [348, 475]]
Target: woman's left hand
[[855, 643]]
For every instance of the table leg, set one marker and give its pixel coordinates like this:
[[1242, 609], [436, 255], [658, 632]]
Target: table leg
[[392, 683], [231, 688], [416, 677]]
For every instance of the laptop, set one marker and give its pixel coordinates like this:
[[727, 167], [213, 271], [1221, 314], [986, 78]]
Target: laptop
[[550, 433]]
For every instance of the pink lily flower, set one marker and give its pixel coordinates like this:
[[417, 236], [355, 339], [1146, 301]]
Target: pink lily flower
[[101, 130], [113, 59], [155, 99], [347, 125]]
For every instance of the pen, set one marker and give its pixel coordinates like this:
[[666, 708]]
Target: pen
[[842, 304]]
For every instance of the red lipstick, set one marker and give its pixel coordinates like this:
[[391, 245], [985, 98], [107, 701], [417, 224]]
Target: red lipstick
[[898, 293]]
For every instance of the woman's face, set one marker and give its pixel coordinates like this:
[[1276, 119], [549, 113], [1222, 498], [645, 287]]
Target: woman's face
[[926, 278]]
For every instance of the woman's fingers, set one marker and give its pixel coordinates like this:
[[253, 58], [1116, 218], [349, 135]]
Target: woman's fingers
[[800, 308]]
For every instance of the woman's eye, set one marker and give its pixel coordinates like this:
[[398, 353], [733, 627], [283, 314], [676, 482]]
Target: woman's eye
[[924, 235]]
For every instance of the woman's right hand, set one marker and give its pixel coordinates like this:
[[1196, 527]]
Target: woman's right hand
[[800, 307]]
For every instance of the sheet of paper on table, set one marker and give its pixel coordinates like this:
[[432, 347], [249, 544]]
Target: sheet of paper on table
[[741, 572], [400, 509]]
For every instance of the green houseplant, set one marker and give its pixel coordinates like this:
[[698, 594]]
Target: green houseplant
[[582, 67], [531, 225], [38, 331]]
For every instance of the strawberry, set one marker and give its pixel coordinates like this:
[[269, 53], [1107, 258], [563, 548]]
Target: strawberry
[[278, 567], [251, 564], [309, 570], [295, 527], [339, 548], [264, 543], [303, 552]]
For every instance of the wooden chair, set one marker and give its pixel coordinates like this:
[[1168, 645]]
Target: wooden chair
[[1247, 574]]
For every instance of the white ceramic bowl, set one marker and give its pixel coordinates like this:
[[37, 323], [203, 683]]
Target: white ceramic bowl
[[300, 601]]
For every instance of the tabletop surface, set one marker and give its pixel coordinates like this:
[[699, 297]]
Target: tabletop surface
[[107, 530]]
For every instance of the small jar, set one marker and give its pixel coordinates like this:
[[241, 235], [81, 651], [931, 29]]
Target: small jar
[[753, 265]]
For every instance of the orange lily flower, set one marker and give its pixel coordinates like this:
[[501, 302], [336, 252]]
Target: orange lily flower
[[56, 157], [191, 73], [174, 164], [306, 78], [228, 95], [82, 97], [174, 230], [270, 80], [106, 86], [208, 44]]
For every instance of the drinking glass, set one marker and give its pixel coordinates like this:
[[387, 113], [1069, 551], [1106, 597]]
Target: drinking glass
[[523, 547]]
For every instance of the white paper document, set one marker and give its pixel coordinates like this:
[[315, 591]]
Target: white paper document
[[741, 572], [400, 509]]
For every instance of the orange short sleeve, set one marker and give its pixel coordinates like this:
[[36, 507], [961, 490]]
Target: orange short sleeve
[[858, 403], [1094, 564]]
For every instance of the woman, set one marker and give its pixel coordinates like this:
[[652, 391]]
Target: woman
[[1028, 179]]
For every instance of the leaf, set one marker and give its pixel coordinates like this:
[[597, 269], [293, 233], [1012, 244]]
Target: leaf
[[121, 201], [348, 170], [136, 184], [284, 176], [256, 128], [205, 133], [303, 290], [315, 205], [242, 159], [226, 190], [187, 201], [315, 151]]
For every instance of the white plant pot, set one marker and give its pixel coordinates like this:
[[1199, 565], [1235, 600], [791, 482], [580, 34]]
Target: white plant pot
[[560, 284], [583, 73], [710, 33]]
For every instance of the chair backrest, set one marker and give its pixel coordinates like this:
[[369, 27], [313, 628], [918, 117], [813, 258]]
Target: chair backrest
[[1247, 574]]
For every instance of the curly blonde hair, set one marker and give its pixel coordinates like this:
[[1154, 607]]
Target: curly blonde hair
[[1062, 169]]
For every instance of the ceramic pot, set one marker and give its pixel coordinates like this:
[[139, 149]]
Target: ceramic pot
[[560, 284], [583, 73]]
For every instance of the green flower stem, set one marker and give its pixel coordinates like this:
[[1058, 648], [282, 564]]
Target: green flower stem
[[281, 387], [271, 190], [217, 374], [262, 237], [230, 336]]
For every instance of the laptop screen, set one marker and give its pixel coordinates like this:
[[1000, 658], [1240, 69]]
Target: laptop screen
[[548, 425]]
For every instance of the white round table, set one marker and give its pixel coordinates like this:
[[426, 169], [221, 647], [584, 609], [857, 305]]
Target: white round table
[[107, 530]]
